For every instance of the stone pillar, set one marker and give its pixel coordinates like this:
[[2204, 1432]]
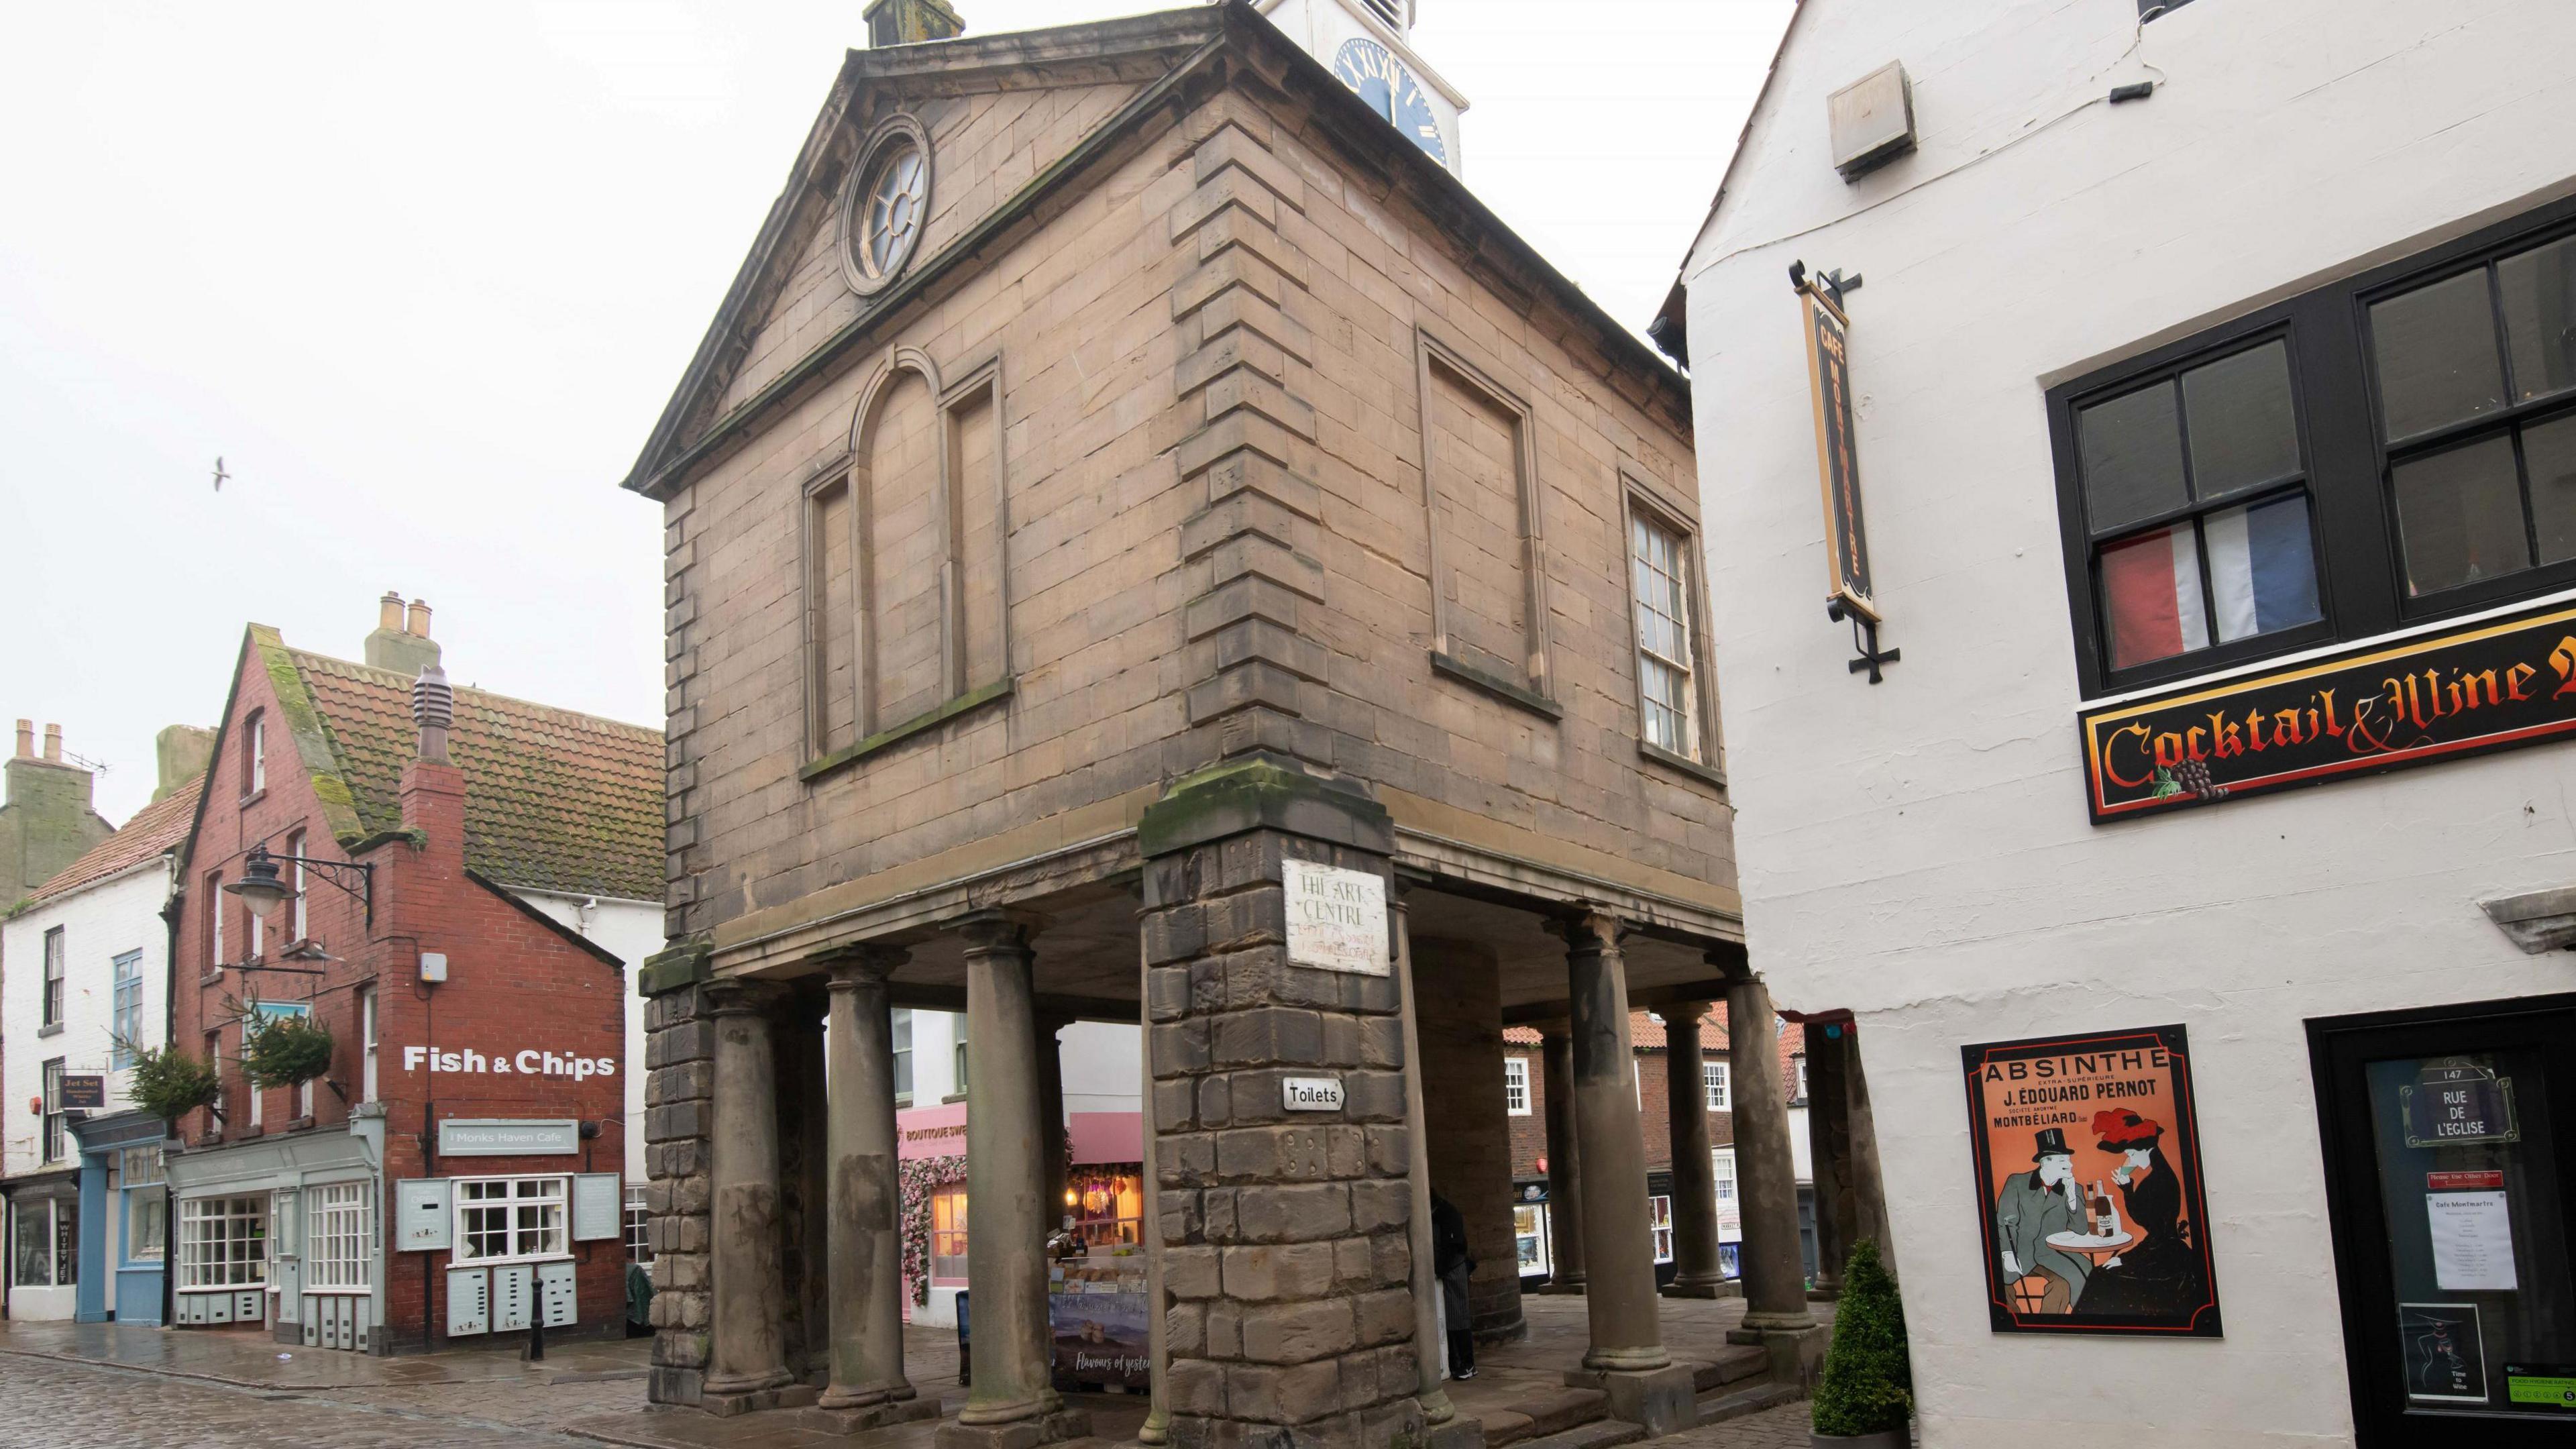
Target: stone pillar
[[1051, 1125], [1696, 1271], [1828, 1146], [679, 1093], [1775, 1277], [804, 1137], [1286, 1250], [1157, 1428], [1458, 1014], [1012, 1401], [1436, 1408], [1869, 1184], [866, 1216], [746, 1361], [1564, 1162], [1626, 1357]]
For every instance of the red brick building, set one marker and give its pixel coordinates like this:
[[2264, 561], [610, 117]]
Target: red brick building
[[455, 1173], [1525, 1106]]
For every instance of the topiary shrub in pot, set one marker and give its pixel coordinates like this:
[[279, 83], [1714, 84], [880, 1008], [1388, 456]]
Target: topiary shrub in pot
[[1865, 1399]]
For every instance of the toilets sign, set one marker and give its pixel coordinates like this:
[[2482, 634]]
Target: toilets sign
[[1336, 918]]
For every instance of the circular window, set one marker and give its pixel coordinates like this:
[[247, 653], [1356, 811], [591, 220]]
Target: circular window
[[889, 198]]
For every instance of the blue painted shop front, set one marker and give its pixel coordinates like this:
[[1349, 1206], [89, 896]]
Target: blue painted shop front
[[124, 1219]]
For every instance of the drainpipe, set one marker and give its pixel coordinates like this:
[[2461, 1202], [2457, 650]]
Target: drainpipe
[[170, 909]]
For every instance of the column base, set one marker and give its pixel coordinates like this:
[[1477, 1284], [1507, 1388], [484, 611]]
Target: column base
[[1824, 1293], [1711, 1287], [1461, 1432], [880, 1414], [752, 1401], [1757, 1324], [1055, 1428], [1661, 1400], [1797, 1354], [1573, 1289]]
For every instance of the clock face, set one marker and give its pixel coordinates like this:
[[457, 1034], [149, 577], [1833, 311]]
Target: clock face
[[1391, 91]]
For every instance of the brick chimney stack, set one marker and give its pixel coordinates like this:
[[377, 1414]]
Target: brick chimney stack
[[46, 816], [54, 743], [401, 641]]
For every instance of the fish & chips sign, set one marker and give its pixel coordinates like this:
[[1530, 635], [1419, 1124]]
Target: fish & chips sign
[[529, 1063], [2497, 685]]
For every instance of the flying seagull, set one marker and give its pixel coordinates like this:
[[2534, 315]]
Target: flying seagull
[[220, 474]]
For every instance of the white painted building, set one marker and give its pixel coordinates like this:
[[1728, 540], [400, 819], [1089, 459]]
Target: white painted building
[[630, 931], [88, 984], [2243, 395]]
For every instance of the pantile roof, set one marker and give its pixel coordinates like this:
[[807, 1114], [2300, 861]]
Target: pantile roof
[[554, 800], [157, 827]]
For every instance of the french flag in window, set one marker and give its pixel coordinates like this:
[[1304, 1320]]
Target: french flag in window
[[2262, 577]]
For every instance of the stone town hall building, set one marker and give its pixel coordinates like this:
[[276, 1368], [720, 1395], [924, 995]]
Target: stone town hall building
[[1127, 475]]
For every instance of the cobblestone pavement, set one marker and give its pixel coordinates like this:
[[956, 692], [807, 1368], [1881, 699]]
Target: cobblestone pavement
[[51, 1405], [1782, 1428]]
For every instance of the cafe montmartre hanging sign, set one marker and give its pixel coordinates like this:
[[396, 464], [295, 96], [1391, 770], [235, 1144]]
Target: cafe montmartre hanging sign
[[2493, 685], [1837, 460]]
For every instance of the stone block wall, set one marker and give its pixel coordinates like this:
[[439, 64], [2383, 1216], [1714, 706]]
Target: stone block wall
[[1286, 1247], [679, 1112]]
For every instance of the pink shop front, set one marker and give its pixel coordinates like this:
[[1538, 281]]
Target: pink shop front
[[1102, 1196]]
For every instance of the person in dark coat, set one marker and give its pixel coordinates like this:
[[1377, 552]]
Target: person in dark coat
[[1452, 1262], [2162, 1273]]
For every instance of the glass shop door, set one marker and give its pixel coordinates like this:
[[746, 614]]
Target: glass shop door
[[2446, 1135]]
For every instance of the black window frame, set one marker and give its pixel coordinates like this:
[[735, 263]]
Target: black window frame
[[2352, 504]]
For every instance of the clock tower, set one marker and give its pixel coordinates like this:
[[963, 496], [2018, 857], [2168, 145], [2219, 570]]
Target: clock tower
[[1369, 44]]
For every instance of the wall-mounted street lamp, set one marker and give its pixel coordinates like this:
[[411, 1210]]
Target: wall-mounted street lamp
[[262, 890]]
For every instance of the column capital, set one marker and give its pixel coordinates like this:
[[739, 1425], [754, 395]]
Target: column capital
[[1587, 928], [743, 996], [997, 929], [1682, 1011], [862, 964]]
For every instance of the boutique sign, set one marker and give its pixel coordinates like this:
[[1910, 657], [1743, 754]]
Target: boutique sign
[[2492, 686], [529, 1063]]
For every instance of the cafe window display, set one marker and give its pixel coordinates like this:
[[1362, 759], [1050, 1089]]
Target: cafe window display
[[1107, 1205], [223, 1242]]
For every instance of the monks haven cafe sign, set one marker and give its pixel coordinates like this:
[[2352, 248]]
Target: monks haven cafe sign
[[2488, 686]]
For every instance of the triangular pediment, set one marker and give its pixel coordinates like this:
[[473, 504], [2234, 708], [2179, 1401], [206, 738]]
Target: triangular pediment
[[1000, 112]]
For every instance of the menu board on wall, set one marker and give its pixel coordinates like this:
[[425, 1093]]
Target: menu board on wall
[[2089, 1197]]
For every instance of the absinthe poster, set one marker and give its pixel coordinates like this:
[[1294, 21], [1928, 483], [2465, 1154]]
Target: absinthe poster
[[2089, 1188]]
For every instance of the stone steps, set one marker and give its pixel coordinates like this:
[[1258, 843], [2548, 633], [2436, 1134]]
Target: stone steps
[[1738, 1363], [1541, 1413], [1599, 1434], [1749, 1398]]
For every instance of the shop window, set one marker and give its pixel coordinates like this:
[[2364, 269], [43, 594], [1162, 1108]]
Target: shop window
[[46, 1250], [1529, 1238], [1713, 1076], [948, 1235], [510, 1218], [125, 1032], [56, 1123], [1516, 1093], [340, 1238], [638, 1225], [2395, 447], [223, 1242], [54, 977], [147, 1204], [1108, 1205], [1659, 1222]]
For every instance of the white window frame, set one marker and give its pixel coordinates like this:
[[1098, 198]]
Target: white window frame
[[223, 1243], [637, 1224], [899, 1033], [295, 848], [1516, 1086], [1798, 1073], [55, 970], [366, 1043], [214, 886], [255, 761], [125, 1010], [57, 1125], [521, 1241], [1721, 1166], [1659, 1226], [258, 1106], [147, 1212], [304, 1099], [340, 1238], [1649, 518], [1719, 1080]]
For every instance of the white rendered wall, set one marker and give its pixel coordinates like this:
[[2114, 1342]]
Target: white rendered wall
[[100, 922], [1919, 851], [629, 931]]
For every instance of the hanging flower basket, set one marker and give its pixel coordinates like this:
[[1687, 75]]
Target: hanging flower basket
[[170, 1084], [285, 1051]]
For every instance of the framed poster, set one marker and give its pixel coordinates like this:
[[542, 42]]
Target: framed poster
[[2445, 1356], [2089, 1196], [1837, 459]]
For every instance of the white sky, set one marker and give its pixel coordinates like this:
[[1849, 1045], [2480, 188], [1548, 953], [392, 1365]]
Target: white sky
[[425, 277]]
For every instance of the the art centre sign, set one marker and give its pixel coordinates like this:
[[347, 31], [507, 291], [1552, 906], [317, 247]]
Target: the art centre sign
[[1336, 918], [530, 1062]]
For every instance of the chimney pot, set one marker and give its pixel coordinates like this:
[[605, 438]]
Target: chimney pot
[[54, 742], [417, 623], [26, 738], [389, 611]]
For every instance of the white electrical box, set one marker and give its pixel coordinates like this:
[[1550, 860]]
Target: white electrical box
[[1871, 120], [557, 1301], [433, 965], [513, 1297], [469, 1301]]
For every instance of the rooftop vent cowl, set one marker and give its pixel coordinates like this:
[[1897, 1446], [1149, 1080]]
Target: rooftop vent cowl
[[433, 708]]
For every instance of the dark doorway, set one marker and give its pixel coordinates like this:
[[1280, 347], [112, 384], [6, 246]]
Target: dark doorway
[[2448, 1192]]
